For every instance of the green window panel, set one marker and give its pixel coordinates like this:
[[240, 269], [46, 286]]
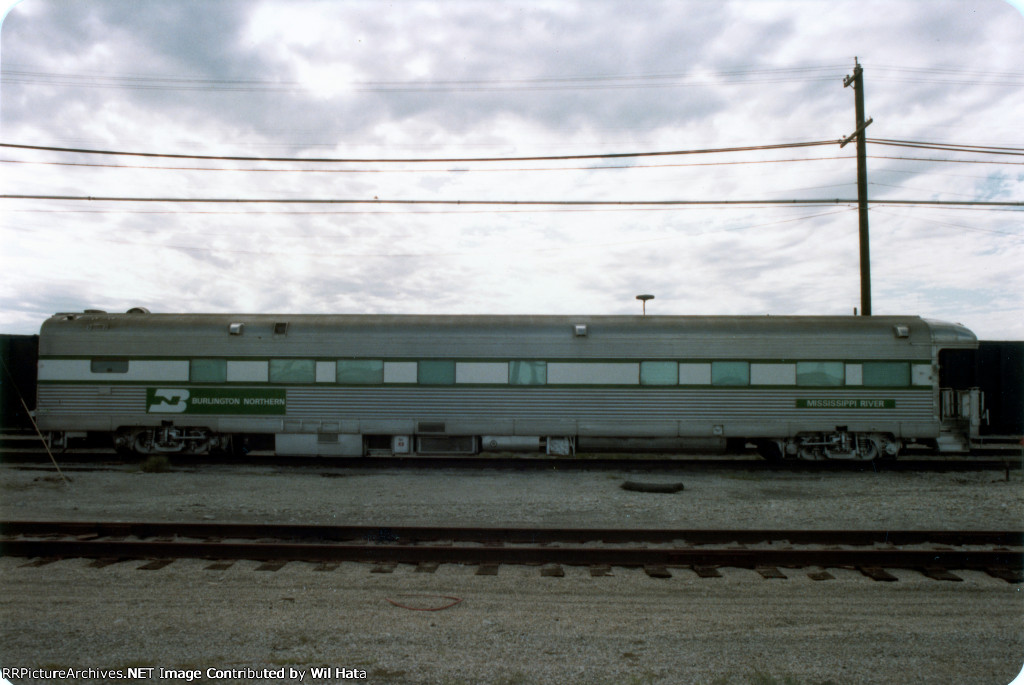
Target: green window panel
[[659, 373], [208, 370], [292, 371], [887, 374], [360, 371], [527, 373], [730, 373], [436, 372], [822, 374]]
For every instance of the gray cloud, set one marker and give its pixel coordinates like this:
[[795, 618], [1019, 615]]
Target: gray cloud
[[449, 78]]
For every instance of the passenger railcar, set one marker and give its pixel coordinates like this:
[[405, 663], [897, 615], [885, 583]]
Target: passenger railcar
[[806, 387]]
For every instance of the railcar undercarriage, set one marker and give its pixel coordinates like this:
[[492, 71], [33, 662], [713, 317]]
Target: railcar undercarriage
[[170, 440], [845, 445], [834, 445]]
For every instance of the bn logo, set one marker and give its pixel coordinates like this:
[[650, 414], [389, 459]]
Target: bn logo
[[168, 401]]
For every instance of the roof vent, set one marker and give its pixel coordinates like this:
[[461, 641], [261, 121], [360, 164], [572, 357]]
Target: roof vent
[[580, 330], [901, 331], [281, 328], [137, 310], [236, 328]]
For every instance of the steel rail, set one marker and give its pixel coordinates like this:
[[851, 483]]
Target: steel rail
[[575, 556], [990, 460], [984, 550], [506, 535]]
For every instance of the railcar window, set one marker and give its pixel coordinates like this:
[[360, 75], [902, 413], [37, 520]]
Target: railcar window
[[360, 371], [527, 373], [659, 373], [887, 374], [730, 373], [208, 370], [108, 366], [694, 374], [773, 374], [292, 371], [820, 373], [436, 372]]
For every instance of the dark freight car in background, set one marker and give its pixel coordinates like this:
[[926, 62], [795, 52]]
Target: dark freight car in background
[[17, 380], [997, 369], [1000, 375]]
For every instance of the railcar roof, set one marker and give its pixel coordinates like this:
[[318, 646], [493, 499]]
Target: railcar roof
[[542, 335], [91, 316]]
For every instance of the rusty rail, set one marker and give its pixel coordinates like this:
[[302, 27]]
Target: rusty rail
[[998, 552]]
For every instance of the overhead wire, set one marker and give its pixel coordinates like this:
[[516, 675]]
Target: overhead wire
[[462, 206], [419, 171], [973, 229], [976, 149], [983, 149], [23, 76], [567, 203], [418, 160], [16, 75], [397, 212]]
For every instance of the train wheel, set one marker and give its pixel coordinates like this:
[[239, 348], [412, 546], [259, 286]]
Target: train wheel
[[142, 442], [867, 448]]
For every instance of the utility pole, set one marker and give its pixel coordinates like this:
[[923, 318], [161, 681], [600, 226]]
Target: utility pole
[[862, 185]]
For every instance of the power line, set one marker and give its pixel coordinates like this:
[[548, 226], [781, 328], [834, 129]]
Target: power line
[[503, 203], [946, 70], [985, 149], [980, 149], [560, 83], [416, 160], [391, 212], [603, 167], [973, 229], [935, 159]]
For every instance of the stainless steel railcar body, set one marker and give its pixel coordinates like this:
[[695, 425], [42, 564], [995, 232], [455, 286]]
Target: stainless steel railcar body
[[813, 387]]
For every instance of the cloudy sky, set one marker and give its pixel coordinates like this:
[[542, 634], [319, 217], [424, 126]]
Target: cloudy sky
[[431, 121]]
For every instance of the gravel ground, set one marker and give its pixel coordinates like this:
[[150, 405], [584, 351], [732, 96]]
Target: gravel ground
[[744, 499], [517, 627]]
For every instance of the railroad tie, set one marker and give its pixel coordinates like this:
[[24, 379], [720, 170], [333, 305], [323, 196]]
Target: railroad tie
[[1010, 575], [770, 572], [939, 573], [326, 567], [155, 565], [657, 571], [219, 566], [271, 566], [707, 571], [877, 573]]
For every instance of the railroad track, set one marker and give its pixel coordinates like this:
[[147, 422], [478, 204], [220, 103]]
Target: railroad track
[[104, 459], [935, 553]]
